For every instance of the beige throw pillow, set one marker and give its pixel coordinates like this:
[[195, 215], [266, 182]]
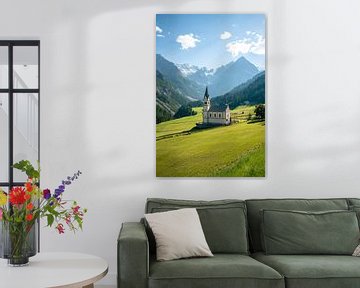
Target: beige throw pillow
[[178, 234], [357, 251]]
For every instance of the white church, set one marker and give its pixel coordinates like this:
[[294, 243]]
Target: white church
[[215, 114]]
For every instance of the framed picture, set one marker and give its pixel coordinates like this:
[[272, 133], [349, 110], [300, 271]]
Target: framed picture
[[210, 95]]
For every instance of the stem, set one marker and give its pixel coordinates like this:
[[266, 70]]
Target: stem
[[18, 239]]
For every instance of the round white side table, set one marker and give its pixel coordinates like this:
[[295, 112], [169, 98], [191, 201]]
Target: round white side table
[[50, 270]]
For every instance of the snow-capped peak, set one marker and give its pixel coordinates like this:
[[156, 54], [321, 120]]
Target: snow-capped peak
[[188, 70]]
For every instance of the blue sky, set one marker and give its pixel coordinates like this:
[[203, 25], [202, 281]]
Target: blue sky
[[211, 40]]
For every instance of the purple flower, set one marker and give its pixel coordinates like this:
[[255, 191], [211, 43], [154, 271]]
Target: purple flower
[[66, 182], [58, 192], [46, 194]]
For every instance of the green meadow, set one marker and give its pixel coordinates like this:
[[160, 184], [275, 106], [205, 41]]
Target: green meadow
[[237, 150]]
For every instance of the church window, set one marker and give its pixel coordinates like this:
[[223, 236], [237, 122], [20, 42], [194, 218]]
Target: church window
[[219, 115], [210, 114]]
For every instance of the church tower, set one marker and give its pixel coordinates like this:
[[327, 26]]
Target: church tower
[[206, 107], [206, 100]]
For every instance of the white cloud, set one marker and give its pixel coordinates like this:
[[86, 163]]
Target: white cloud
[[187, 41], [250, 33], [255, 44], [160, 35], [158, 29], [225, 35], [238, 47]]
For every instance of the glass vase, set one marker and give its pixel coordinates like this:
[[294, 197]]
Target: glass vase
[[18, 242]]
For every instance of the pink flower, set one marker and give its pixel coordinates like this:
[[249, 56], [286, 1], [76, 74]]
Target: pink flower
[[68, 219], [1, 212], [76, 210], [60, 228]]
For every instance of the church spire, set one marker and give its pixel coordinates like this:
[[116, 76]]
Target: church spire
[[206, 95], [206, 101]]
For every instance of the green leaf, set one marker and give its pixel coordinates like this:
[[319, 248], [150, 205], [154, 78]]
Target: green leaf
[[22, 164], [28, 168], [50, 210], [50, 219], [79, 221]]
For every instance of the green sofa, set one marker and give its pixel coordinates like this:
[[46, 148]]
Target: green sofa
[[233, 230]]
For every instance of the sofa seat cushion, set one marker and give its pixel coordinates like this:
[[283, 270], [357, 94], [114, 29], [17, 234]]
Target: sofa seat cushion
[[222, 270], [313, 271]]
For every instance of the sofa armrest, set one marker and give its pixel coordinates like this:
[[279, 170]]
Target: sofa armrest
[[133, 256]]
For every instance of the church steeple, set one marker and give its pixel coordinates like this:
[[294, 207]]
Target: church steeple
[[206, 95], [206, 106]]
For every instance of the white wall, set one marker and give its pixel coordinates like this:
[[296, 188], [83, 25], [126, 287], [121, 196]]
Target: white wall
[[97, 60]]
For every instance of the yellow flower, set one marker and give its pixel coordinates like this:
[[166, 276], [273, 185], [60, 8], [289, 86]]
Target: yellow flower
[[3, 198]]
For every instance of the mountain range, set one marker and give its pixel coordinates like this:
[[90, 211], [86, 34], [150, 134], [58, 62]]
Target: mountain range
[[179, 84], [188, 88], [249, 93], [222, 79]]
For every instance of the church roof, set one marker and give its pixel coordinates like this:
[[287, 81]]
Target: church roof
[[218, 108]]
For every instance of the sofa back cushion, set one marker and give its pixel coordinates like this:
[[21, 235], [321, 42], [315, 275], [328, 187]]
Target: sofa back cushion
[[298, 232], [354, 205], [255, 206], [353, 201], [223, 221]]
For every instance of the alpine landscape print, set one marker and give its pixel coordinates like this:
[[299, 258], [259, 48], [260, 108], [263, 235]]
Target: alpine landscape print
[[210, 95]]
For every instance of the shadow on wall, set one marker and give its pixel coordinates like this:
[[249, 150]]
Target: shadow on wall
[[71, 88]]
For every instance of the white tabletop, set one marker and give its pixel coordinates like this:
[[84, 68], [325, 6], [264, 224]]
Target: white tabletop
[[54, 270]]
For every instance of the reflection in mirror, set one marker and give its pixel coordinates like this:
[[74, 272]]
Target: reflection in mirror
[[4, 140], [26, 74], [4, 67], [26, 130]]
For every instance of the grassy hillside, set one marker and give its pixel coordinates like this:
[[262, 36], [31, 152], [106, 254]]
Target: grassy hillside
[[237, 150]]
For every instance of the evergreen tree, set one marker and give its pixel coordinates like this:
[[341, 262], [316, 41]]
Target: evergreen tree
[[185, 110], [260, 111]]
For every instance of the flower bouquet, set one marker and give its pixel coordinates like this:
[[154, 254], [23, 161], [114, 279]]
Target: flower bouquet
[[21, 208]]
